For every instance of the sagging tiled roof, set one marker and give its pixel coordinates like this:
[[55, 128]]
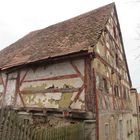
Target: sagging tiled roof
[[73, 35]]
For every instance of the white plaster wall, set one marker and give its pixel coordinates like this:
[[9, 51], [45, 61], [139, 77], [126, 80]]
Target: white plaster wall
[[114, 131], [10, 90], [58, 69], [74, 82], [1, 88], [57, 99], [1, 93]]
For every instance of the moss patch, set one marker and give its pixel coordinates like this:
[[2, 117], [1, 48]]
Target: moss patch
[[65, 100]]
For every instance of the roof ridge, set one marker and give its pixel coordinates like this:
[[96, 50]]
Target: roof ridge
[[82, 14]]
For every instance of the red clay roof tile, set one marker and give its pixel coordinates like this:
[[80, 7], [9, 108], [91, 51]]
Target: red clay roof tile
[[73, 35]]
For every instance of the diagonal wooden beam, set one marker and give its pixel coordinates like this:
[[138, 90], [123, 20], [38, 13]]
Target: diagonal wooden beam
[[78, 94], [21, 81], [77, 70], [18, 84], [21, 99]]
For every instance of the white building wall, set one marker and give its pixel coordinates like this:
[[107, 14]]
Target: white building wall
[[59, 85]]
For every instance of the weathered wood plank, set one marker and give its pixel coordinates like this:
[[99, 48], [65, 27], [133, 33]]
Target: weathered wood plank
[[15, 127]]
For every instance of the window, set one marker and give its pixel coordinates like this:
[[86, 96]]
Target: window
[[129, 127], [117, 60], [125, 93], [114, 30], [116, 90], [102, 83], [105, 85], [120, 130], [97, 81], [106, 131]]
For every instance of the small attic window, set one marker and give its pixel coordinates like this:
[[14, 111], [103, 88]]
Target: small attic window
[[116, 90], [114, 30], [117, 59], [124, 93]]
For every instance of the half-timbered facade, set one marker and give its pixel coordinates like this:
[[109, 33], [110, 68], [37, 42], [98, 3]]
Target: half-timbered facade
[[78, 68], [113, 84]]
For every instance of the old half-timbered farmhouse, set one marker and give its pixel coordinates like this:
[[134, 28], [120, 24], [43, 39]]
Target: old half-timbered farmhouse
[[77, 69]]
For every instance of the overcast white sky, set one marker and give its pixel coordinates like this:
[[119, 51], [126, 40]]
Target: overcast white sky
[[18, 17]]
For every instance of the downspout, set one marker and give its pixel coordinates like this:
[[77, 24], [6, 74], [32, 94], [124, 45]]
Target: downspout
[[137, 106], [96, 106]]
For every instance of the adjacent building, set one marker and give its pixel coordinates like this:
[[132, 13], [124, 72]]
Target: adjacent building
[[77, 68], [135, 120]]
